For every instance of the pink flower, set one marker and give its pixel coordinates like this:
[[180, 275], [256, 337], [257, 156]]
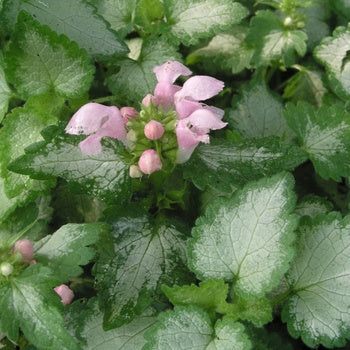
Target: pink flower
[[65, 293], [150, 162], [25, 247], [153, 130], [97, 121], [194, 129]]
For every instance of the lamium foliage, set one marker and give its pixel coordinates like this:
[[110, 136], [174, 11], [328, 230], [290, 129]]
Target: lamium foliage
[[174, 174]]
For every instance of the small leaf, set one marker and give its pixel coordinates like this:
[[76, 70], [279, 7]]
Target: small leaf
[[105, 175], [75, 19], [29, 302], [67, 249], [312, 205], [40, 61], [119, 13], [247, 238], [135, 262], [337, 66], [224, 164], [258, 113], [189, 327], [273, 41], [135, 78], [318, 309], [226, 50], [305, 85], [191, 20], [324, 134]]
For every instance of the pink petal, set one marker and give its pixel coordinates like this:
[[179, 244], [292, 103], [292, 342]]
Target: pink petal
[[186, 107], [65, 293], [147, 99], [219, 113], [25, 247], [204, 120], [170, 71], [150, 162], [91, 145], [164, 94], [200, 87], [128, 113], [187, 140]]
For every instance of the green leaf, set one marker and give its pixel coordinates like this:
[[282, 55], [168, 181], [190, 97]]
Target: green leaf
[[226, 50], [29, 302], [135, 262], [40, 61], [126, 337], [21, 128], [5, 92], [67, 249], [191, 20], [105, 175], [312, 205], [189, 327], [273, 41], [247, 238], [258, 113], [224, 164], [324, 134], [135, 78], [318, 309], [77, 20], [305, 85], [119, 13], [149, 15], [337, 66], [209, 295]]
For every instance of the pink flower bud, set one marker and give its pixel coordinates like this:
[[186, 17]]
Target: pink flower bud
[[33, 262], [128, 113], [149, 162], [153, 130], [147, 99], [25, 247], [65, 293]]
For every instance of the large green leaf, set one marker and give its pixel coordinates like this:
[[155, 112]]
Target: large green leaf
[[40, 61], [258, 113], [77, 19], [5, 92], [190, 328], [319, 278], [67, 249], [105, 175], [190, 20], [135, 78], [224, 164], [28, 302], [132, 265], [247, 238], [324, 134]]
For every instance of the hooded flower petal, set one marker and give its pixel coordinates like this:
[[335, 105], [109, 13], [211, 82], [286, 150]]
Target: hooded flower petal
[[164, 94], [199, 88], [186, 107], [98, 120], [170, 71], [128, 113], [204, 120]]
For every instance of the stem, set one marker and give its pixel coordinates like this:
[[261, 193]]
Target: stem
[[281, 297], [106, 99]]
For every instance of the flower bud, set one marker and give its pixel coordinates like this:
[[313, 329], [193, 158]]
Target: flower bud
[[33, 262], [153, 130], [128, 113], [6, 269], [131, 136], [134, 171], [25, 247], [147, 99], [149, 162], [65, 293]]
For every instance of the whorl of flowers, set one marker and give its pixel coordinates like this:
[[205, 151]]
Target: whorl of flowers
[[169, 126]]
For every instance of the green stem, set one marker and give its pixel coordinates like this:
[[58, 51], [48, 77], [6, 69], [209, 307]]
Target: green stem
[[281, 297], [22, 232], [106, 99]]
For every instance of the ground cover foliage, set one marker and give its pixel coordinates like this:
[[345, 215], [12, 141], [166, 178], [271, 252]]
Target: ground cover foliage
[[240, 241]]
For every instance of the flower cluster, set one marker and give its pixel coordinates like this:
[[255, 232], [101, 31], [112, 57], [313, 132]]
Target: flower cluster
[[173, 118], [22, 253]]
